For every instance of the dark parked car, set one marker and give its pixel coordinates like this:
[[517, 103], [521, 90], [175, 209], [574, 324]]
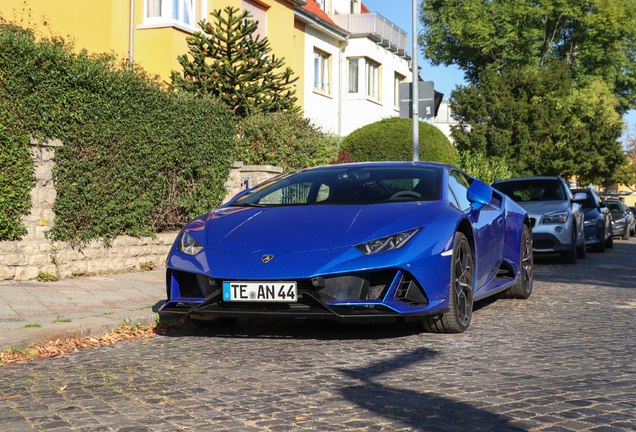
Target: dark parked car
[[633, 210], [598, 221], [621, 219]]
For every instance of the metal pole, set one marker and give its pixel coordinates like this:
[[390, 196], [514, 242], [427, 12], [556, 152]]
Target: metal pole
[[415, 93]]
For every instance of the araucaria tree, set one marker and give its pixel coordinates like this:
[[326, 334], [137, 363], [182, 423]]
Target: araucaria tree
[[226, 61], [537, 64]]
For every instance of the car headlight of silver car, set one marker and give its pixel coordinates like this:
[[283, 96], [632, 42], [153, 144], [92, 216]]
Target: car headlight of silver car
[[388, 243], [561, 217], [619, 220], [188, 245]]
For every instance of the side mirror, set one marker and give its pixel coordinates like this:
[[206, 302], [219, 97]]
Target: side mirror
[[603, 204], [579, 197], [479, 194]]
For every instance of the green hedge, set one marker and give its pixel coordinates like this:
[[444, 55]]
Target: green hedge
[[391, 139], [16, 175], [136, 159], [283, 139]]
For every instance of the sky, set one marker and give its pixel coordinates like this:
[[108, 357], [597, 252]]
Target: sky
[[445, 78]]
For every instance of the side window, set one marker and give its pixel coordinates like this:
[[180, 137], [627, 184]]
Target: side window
[[459, 185]]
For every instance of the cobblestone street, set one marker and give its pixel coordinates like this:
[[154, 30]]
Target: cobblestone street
[[563, 360]]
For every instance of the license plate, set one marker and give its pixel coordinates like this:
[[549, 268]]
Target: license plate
[[260, 291]]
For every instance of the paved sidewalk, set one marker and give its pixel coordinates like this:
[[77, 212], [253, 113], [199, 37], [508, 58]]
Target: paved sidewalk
[[95, 305]]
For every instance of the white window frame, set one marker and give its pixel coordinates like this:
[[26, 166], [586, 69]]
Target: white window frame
[[321, 71], [372, 79], [169, 15], [397, 80], [350, 62]]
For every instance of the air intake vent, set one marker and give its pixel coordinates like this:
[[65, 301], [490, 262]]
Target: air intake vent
[[411, 293]]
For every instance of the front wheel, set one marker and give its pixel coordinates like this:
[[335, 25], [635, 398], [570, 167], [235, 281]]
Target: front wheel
[[462, 288], [600, 246], [610, 241], [523, 287], [569, 257]]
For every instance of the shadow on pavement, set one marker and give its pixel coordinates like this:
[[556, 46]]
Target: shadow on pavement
[[415, 409], [616, 268]]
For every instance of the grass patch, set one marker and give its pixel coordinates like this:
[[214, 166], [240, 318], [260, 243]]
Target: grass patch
[[47, 277], [60, 318], [32, 324]]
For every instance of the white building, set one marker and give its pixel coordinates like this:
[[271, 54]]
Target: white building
[[354, 62], [444, 119]]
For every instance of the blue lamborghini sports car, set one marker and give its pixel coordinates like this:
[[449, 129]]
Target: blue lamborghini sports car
[[389, 241]]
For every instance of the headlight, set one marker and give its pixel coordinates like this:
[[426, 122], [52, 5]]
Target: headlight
[[188, 245], [619, 220], [555, 218], [388, 243], [588, 223]]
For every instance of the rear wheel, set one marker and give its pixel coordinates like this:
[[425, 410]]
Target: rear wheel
[[569, 257], [460, 304], [523, 287]]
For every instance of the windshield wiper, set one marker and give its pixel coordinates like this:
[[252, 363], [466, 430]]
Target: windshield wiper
[[246, 204]]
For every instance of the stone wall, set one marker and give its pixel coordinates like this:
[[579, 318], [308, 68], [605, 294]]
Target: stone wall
[[26, 259]]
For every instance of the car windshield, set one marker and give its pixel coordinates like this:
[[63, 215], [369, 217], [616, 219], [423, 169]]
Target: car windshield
[[614, 207], [346, 186], [532, 190]]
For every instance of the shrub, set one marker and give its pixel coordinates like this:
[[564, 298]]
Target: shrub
[[16, 176], [391, 139], [484, 168], [136, 159], [283, 139]]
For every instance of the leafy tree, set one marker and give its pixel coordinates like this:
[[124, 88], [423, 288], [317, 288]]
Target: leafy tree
[[486, 169], [227, 62], [595, 38], [541, 122]]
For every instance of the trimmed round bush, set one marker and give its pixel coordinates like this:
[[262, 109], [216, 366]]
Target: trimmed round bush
[[391, 139]]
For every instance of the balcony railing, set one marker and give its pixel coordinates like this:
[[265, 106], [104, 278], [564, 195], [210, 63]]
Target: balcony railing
[[374, 24]]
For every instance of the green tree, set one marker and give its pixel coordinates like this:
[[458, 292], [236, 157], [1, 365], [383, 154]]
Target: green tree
[[227, 62], [540, 122], [595, 38]]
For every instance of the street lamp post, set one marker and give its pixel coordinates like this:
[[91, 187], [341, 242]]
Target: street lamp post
[[415, 100]]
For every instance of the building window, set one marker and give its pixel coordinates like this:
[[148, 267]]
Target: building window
[[162, 11], [324, 5], [259, 13], [321, 71], [397, 80], [373, 80], [353, 75], [354, 7]]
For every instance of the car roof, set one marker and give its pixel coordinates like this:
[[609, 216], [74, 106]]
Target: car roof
[[386, 164], [529, 178]]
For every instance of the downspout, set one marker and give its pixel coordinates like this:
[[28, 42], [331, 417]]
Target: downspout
[[340, 84], [132, 27]]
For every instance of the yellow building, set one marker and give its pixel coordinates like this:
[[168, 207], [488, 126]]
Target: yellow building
[[154, 34]]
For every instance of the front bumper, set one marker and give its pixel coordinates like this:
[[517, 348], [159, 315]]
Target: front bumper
[[379, 296], [619, 229], [550, 237], [593, 234]]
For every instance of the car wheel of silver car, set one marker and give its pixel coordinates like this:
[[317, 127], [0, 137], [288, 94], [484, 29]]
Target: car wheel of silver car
[[462, 276], [523, 287], [569, 257]]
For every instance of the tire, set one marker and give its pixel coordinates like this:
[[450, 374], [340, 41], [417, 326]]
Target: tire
[[569, 257], [523, 287], [609, 243], [460, 305], [600, 247]]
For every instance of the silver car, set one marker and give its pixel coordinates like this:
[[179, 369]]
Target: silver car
[[555, 215]]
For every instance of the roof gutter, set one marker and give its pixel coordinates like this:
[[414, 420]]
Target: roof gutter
[[342, 63]]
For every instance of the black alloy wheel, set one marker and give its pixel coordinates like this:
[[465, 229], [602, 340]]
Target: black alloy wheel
[[462, 290], [569, 257], [523, 287]]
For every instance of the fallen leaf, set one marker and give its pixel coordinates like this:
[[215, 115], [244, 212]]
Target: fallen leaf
[[11, 397], [301, 418], [63, 388]]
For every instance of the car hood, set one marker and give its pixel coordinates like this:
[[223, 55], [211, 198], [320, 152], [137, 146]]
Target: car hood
[[618, 215], [298, 229], [544, 207]]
